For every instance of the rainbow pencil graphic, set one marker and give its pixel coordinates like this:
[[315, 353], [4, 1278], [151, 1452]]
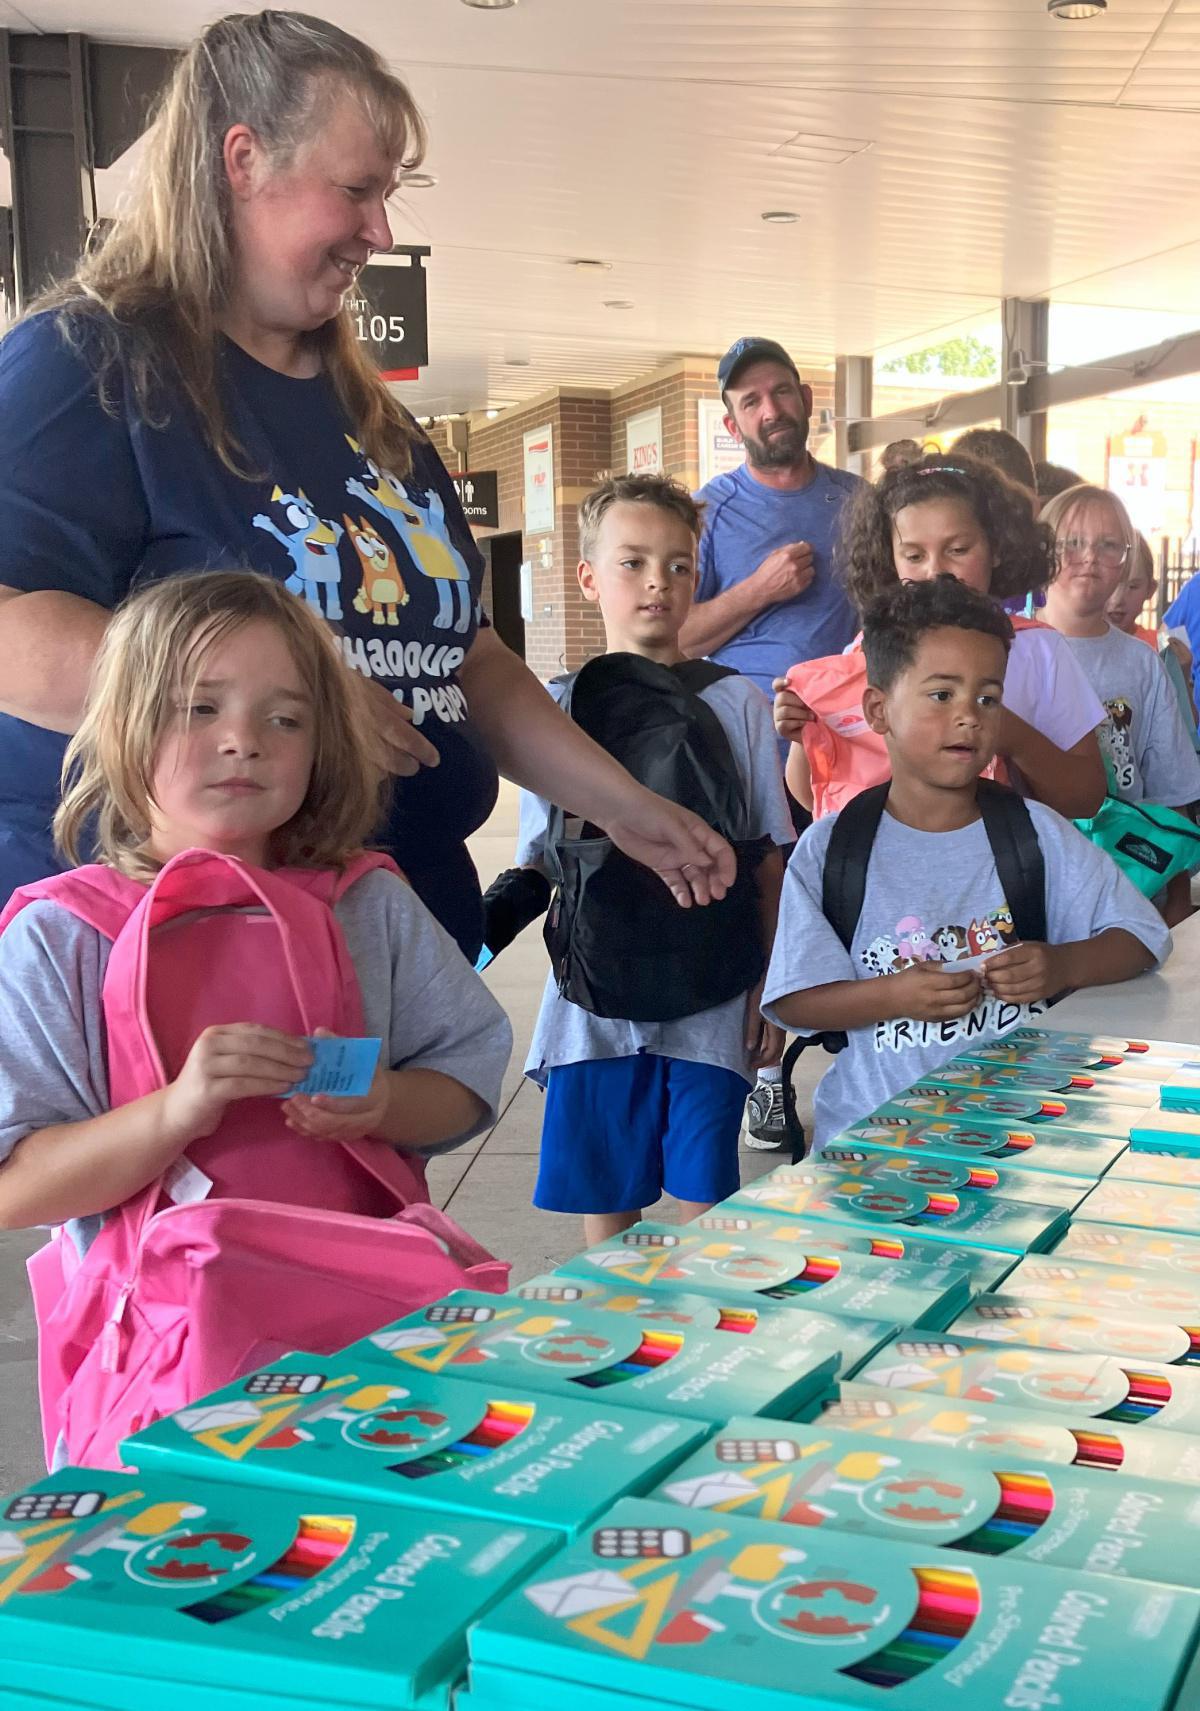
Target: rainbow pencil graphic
[[1026, 1503], [948, 1602], [655, 1348], [501, 1423], [1148, 1395], [818, 1269], [320, 1540]]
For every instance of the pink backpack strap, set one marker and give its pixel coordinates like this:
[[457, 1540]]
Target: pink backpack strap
[[331, 884], [99, 895]]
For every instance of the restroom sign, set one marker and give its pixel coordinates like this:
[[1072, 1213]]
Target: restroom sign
[[478, 494], [643, 443]]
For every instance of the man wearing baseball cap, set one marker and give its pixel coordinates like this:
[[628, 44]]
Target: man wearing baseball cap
[[766, 592]]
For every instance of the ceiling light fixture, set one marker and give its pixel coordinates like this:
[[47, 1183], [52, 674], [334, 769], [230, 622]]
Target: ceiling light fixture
[[618, 302], [780, 217], [490, 5], [590, 264], [1074, 10], [517, 362], [418, 181]]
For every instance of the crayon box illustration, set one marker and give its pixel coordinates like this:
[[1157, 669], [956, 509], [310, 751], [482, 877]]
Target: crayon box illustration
[[673, 1607], [699, 1256], [820, 1477], [1040, 1324], [1010, 1434], [330, 1424], [852, 1339], [163, 1576], [1101, 1387], [564, 1350]]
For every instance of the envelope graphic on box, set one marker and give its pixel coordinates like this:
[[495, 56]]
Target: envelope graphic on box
[[208, 1417], [709, 1489], [10, 1547], [578, 1594], [413, 1338]]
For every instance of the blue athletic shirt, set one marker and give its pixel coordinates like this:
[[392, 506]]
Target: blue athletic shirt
[[94, 504], [744, 521]]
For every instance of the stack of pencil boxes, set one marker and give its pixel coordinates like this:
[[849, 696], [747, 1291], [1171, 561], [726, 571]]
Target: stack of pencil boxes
[[912, 1423]]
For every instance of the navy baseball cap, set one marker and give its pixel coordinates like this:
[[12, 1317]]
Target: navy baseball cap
[[744, 351]]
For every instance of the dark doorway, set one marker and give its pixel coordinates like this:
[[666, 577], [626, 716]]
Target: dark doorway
[[506, 592]]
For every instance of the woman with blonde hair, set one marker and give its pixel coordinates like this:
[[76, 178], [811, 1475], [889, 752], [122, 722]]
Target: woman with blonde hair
[[195, 396]]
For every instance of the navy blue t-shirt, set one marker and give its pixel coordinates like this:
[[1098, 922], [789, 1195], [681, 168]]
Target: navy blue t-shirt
[[93, 504]]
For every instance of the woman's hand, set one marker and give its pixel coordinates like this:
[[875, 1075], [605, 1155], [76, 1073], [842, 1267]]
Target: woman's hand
[[400, 747], [693, 862], [791, 714], [235, 1060]]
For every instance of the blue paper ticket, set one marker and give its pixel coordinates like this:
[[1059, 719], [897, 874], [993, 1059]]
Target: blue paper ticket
[[343, 1067]]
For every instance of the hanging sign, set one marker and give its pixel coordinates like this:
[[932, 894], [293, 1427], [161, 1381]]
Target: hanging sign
[[479, 496], [391, 313], [643, 443], [539, 481]]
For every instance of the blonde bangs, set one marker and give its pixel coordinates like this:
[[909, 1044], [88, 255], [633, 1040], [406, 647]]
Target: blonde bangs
[[151, 657]]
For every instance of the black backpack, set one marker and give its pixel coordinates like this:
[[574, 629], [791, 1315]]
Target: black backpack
[[619, 944], [1019, 863]]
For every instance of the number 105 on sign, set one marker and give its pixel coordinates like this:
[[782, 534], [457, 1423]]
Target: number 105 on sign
[[380, 329]]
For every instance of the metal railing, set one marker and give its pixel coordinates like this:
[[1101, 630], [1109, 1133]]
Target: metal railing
[[1178, 560]]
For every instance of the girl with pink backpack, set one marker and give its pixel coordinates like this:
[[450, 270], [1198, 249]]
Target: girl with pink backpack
[[160, 1007], [946, 514]]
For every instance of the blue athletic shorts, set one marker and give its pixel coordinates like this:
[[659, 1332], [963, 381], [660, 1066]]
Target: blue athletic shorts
[[618, 1132]]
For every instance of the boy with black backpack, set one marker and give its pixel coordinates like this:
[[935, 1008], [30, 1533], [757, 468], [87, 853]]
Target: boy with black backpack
[[650, 1030], [940, 908]]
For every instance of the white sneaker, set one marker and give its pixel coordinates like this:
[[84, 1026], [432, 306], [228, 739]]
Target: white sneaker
[[766, 1126]]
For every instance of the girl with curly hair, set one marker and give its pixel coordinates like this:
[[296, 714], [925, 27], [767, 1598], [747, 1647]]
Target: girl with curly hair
[[947, 513]]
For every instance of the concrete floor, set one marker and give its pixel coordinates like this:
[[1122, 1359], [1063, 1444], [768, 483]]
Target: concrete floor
[[487, 1184]]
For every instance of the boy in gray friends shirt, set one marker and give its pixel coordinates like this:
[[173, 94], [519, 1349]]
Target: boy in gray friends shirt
[[933, 960]]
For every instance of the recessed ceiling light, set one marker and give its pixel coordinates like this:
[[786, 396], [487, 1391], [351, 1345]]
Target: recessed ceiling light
[[490, 5], [491, 414], [1074, 9], [418, 181], [588, 264], [618, 302], [780, 217]]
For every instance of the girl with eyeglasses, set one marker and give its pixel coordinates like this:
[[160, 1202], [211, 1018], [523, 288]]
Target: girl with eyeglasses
[[1149, 754]]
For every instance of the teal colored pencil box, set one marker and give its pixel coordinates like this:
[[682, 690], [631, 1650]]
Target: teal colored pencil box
[[851, 1339], [1086, 1048], [708, 1611], [1047, 1075], [1004, 1435], [564, 1350], [886, 1195], [1106, 1286], [1178, 1255], [1015, 1106], [1035, 1149], [1171, 1130], [1145, 1205], [1170, 1339], [1101, 1387], [162, 1578], [822, 1478], [1005, 1181], [690, 1257], [336, 1425]]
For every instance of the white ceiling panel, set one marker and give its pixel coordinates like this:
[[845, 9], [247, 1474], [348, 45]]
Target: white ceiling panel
[[939, 154]]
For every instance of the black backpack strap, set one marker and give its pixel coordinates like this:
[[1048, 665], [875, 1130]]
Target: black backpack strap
[[1018, 857], [847, 857], [698, 674]]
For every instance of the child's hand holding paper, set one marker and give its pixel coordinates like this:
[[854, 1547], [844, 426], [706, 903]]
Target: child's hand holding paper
[[344, 1096]]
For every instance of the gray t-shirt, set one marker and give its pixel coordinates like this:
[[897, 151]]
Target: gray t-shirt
[[1143, 737], [933, 896], [564, 1033], [420, 996]]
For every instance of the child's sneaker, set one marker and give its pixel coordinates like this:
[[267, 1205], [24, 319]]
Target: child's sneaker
[[766, 1122]]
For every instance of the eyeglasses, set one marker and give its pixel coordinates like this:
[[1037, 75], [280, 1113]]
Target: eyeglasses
[[1109, 552]]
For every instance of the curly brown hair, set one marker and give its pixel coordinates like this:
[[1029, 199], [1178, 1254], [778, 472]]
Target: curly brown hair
[[1023, 549]]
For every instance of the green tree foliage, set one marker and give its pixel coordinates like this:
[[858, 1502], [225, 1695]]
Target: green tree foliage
[[965, 357]]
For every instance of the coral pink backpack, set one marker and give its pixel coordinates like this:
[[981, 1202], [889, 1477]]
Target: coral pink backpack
[[301, 1243], [845, 756]]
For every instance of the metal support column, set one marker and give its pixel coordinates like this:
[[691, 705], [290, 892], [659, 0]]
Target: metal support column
[[852, 403], [1025, 351]]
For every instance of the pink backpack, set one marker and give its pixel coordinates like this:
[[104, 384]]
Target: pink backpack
[[844, 754], [301, 1244]]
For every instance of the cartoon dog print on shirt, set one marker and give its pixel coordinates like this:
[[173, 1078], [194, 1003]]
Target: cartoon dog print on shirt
[[311, 542], [951, 943], [422, 526], [1117, 735], [382, 588]]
